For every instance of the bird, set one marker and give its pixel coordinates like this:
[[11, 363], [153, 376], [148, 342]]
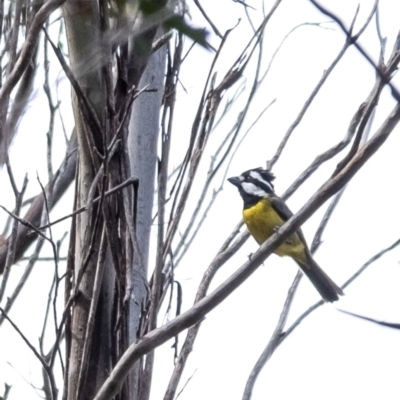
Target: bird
[[264, 212]]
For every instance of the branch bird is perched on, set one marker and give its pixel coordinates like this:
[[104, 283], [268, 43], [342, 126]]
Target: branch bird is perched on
[[264, 212]]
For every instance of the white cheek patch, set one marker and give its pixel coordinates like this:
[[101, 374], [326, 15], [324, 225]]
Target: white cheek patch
[[253, 190], [257, 175]]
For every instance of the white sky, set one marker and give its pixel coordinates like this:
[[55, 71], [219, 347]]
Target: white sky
[[330, 355]]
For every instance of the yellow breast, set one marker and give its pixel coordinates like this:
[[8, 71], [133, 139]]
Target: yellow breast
[[262, 221]]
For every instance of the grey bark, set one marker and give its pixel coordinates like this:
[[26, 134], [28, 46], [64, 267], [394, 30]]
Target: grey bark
[[144, 130], [82, 20]]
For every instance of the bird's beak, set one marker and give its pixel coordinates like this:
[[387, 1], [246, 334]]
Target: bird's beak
[[235, 181]]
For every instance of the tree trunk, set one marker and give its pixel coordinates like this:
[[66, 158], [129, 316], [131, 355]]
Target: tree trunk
[[81, 19], [144, 130]]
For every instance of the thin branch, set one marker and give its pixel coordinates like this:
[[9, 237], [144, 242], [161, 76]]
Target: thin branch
[[208, 19], [25, 56], [93, 307], [327, 155], [274, 341], [203, 124], [110, 192], [162, 41], [62, 178], [13, 237], [87, 108], [186, 383], [224, 254], [32, 261], [24, 338], [348, 43], [52, 110], [394, 91], [49, 372], [375, 321], [346, 284]]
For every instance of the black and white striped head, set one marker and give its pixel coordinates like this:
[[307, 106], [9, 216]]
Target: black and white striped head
[[254, 184]]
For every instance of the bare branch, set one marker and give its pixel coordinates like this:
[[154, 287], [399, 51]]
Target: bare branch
[[13, 237], [274, 341], [24, 58], [128, 182], [87, 108], [347, 283], [49, 372], [348, 43], [208, 19], [350, 38], [224, 254], [62, 179], [375, 321]]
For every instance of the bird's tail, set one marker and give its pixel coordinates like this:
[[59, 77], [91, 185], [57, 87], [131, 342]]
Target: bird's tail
[[328, 289]]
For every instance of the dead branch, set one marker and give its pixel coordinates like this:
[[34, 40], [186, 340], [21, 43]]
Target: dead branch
[[24, 58], [13, 237], [346, 284], [54, 390], [350, 40], [348, 33], [62, 179]]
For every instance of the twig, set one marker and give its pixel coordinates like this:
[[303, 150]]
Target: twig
[[375, 321], [321, 228], [32, 260], [36, 353], [186, 383], [62, 178], [13, 237], [87, 108], [274, 341], [211, 174], [52, 110], [345, 285], [202, 126], [46, 383], [23, 337], [395, 93], [116, 189], [327, 155], [27, 50], [176, 187], [161, 41], [48, 200], [7, 389], [317, 88], [93, 307], [208, 19], [44, 259], [224, 254]]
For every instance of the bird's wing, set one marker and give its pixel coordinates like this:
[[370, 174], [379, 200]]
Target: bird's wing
[[284, 212], [281, 208]]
